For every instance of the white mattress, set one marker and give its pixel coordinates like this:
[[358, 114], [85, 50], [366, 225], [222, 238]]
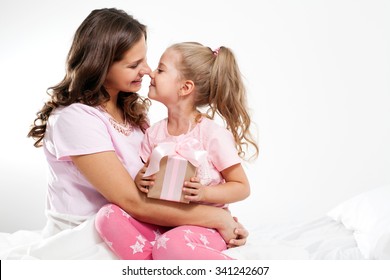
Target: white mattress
[[322, 238]]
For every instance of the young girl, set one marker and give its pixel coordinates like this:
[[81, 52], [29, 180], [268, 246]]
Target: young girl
[[190, 76]]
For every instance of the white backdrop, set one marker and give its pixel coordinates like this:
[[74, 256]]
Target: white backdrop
[[317, 74]]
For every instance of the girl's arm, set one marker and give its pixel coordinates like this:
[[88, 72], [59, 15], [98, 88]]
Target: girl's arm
[[107, 174], [235, 188]]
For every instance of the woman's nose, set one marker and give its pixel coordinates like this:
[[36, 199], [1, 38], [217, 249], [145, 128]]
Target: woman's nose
[[145, 69]]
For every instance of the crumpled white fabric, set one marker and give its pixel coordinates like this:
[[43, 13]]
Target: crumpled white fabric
[[83, 242], [318, 239], [79, 242]]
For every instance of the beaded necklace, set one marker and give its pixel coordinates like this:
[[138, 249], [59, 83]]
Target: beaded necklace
[[124, 128]]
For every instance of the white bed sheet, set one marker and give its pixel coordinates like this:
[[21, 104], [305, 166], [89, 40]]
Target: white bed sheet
[[322, 238]]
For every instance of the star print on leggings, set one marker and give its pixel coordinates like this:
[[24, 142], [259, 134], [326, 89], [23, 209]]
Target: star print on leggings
[[137, 248], [107, 211], [162, 242]]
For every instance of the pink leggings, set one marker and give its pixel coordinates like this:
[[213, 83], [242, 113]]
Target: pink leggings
[[130, 239]]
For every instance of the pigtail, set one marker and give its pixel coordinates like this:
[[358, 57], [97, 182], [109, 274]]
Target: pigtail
[[228, 99]]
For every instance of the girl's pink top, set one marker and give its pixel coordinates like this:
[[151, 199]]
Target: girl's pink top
[[216, 140], [79, 130]]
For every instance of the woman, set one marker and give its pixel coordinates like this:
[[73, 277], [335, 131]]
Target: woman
[[92, 127]]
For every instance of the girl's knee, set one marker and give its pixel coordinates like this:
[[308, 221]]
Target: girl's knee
[[170, 245]]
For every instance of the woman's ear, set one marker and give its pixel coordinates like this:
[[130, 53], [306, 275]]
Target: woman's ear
[[187, 88]]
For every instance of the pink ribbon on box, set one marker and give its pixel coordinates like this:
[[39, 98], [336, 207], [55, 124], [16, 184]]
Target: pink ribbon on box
[[189, 149]]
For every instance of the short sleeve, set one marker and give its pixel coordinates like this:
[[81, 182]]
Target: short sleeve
[[153, 135], [77, 130], [146, 147], [221, 148]]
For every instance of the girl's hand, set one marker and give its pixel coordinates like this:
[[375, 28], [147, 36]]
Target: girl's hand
[[194, 191], [143, 183]]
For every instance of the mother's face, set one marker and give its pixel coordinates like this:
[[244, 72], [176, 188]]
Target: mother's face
[[126, 75]]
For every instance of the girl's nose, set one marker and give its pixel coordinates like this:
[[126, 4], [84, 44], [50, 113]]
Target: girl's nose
[[152, 74]]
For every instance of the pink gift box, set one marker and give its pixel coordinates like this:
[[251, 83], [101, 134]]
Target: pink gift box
[[174, 170], [173, 163]]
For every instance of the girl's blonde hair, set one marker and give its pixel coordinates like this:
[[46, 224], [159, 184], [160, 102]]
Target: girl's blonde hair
[[218, 85]]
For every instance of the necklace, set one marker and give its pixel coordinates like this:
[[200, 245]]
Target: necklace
[[124, 128]]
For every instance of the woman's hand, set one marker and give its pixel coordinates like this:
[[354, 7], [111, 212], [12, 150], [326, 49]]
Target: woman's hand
[[143, 183], [227, 229], [241, 236]]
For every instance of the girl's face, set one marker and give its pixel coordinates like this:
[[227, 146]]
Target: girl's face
[[126, 75], [165, 81]]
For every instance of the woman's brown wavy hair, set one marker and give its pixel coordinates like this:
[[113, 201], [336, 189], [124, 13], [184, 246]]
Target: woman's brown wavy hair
[[102, 39]]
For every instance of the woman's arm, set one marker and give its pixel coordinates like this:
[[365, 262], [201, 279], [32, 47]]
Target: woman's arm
[[235, 188], [107, 174]]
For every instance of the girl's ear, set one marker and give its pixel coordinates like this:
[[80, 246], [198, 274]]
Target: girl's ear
[[187, 88]]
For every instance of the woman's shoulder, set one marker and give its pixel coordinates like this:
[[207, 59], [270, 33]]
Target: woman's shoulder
[[76, 114], [77, 108]]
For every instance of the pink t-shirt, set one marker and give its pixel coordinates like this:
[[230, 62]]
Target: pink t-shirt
[[78, 130], [216, 140]]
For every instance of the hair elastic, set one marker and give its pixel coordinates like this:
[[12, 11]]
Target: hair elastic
[[216, 51]]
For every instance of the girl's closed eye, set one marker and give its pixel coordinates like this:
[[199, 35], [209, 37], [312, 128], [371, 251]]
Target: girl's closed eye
[[159, 70], [133, 66]]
